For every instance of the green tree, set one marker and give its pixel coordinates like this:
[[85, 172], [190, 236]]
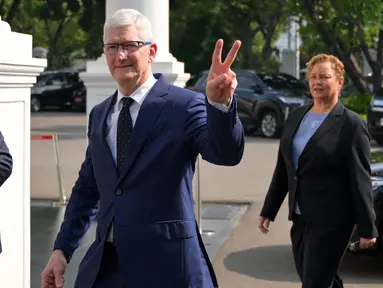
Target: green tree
[[196, 26], [59, 20], [92, 22], [194, 29], [258, 24], [9, 9], [346, 29]]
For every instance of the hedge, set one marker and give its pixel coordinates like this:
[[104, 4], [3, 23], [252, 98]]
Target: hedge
[[357, 103]]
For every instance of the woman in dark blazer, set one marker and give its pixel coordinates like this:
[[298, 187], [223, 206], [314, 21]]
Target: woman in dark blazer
[[324, 164]]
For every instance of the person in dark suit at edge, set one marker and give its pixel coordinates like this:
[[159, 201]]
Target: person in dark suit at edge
[[139, 165], [6, 165], [323, 164]]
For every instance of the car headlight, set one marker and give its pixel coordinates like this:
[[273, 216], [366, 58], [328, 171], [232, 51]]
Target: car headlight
[[291, 100]]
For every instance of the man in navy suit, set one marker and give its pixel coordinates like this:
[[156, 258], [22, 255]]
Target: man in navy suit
[[6, 164], [138, 170]]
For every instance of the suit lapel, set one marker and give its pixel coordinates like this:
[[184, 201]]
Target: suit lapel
[[327, 124], [106, 154], [293, 128], [149, 112]]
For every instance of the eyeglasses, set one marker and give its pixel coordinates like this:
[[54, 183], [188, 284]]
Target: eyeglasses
[[128, 47]]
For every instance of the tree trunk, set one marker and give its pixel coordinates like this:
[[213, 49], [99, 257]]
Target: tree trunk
[[12, 11]]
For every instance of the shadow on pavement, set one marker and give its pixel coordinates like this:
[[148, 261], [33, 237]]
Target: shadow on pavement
[[275, 263]]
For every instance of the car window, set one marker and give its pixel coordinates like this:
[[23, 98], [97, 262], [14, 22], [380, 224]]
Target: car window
[[201, 82], [245, 81], [56, 80], [192, 80], [72, 79], [280, 81], [43, 78]]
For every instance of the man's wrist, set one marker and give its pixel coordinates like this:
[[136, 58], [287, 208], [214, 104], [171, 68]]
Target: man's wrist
[[59, 253]]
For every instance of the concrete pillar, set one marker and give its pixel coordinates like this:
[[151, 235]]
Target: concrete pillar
[[367, 71], [289, 43], [100, 84], [290, 62], [18, 71]]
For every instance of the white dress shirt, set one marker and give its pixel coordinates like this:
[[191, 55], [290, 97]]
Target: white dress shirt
[[138, 96]]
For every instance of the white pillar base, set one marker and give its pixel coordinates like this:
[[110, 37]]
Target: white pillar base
[[100, 84], [18, 71]]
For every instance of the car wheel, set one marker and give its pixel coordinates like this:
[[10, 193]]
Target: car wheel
[[35, 104], [268, 125]]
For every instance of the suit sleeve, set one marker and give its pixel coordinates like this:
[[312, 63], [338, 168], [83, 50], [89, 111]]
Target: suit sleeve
[[6, 161], [81, 208], [360, 178], [217, 135], [278, 189]]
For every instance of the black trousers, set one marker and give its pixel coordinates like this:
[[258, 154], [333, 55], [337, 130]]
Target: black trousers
[[108, 275], [318, 252]]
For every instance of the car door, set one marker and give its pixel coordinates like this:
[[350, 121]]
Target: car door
[[53, 90], [71, 85], [247, 94]]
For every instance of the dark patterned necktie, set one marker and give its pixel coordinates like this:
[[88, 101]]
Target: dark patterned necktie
[[124, 131]]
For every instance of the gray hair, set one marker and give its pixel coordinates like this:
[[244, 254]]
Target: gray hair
[[127, 17]]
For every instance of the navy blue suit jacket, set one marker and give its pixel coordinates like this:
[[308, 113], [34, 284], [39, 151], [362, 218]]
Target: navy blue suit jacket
[[151, 200], [6, 164]]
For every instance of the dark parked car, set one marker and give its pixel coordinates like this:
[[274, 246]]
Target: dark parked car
[[377, 184], [191, 82], [263, 105], [286, 82], [63, 89], [375, 117]]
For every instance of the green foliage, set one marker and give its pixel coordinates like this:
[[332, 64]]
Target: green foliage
[[69, 27], [196, 26], [377, 156], [92, 22], [344, 28], [341, 16], [357, 103]]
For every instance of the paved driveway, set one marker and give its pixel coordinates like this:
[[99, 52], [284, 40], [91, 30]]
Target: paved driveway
[[247, 258]]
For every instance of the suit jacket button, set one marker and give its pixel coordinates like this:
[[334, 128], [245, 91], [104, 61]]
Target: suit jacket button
[[118, 192], [295, 178]]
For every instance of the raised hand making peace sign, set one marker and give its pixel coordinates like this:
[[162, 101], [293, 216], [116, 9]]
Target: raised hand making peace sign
[[222, 81]]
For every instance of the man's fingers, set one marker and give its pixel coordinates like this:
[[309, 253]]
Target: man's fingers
[[232, 54], [217, 54], [233, 86], [366, 243], [267, 223], [218, 82], [59, 278], [47, 280], [263, 224]]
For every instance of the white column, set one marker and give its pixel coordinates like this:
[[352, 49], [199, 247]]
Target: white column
[[289, 43], [18, 71], [101, 85], [157, 12], [366, 66]]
